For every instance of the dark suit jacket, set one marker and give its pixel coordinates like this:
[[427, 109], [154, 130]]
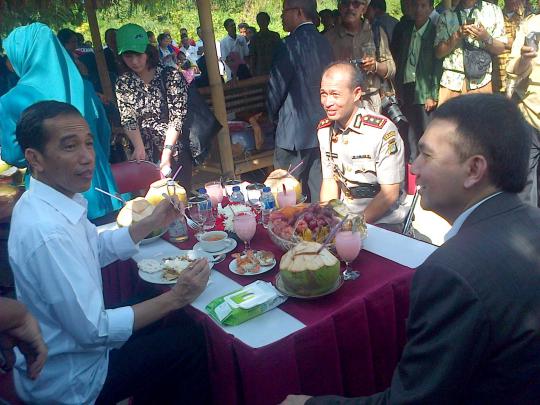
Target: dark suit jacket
[[293, 90], [428, 68], [474, 322]]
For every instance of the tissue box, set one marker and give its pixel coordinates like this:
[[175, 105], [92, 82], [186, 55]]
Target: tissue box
[[248, 302]]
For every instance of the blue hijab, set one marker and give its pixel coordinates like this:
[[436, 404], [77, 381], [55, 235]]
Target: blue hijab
[[47, 72]]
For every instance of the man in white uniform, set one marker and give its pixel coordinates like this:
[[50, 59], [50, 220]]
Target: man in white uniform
[[361, 152]]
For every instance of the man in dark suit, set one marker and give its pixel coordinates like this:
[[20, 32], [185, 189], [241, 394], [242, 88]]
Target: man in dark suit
[[293, 94], [474, 322]]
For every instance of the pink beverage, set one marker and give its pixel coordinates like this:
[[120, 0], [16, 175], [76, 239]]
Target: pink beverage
[[215, 192], [286, 200], [245, 226], [348, 245]]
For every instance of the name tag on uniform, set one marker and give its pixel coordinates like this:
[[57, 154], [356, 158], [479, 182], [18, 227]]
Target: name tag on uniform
[[361, 157], [331, 155]]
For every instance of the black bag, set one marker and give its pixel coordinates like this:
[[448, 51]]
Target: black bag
[[200, 124], [476, 61]]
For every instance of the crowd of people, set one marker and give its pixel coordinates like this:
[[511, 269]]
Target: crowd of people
[[355, 96]]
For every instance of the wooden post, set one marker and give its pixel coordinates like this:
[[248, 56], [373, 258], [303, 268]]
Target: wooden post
[[90, 7], [216, 87], [447, 4]]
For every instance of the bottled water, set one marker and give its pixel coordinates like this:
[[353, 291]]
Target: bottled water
[[237, 197], [267, 205]]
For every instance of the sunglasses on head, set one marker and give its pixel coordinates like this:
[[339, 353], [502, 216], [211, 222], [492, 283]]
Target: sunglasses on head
[[354, 3]]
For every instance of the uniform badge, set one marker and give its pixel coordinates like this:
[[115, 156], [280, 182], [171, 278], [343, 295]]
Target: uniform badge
[[374, 121], [358, 121], [389, 135], [345, 139], [324, 123], [392, 147]]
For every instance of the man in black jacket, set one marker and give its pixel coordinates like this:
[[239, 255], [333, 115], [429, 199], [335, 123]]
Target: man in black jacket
[[293, 93], [474, 322]]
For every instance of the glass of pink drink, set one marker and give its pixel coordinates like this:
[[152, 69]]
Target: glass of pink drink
[[286, 200], [215, 192], [245, 225], [348, 245]]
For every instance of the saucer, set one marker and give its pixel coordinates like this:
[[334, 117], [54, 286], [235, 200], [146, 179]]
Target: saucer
[[231, 246]]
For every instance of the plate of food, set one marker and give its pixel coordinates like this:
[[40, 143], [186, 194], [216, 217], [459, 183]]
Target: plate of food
[[156, 235], [253, 263], [166, 270]]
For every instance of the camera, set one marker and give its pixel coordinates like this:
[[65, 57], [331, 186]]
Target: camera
[[390, 108], [531, 40]]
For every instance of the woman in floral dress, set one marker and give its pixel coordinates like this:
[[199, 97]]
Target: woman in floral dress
[[152, 100]]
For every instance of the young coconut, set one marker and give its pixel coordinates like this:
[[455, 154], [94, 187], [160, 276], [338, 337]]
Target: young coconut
[[280, 177], [134, 211], [306, 272]]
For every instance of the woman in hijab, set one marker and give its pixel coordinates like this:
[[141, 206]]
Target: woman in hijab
[[47, 72]]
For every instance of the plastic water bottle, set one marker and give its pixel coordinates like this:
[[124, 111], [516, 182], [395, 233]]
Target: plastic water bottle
[[267, 205], [237, 197], [210, 219]]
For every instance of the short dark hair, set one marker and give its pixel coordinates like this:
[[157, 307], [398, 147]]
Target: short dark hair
[[150, 34], [227, 22], [243, 25], [263, 19], [308, 7], [152, 61], [378, 5], [492, 126], [30, 132], [357, 77], [65, 34]]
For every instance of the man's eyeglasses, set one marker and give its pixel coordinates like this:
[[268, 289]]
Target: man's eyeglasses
[[354, 3]]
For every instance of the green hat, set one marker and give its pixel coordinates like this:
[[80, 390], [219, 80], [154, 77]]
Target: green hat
[[131, 37]]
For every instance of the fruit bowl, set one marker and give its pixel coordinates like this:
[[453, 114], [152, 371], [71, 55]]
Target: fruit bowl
[[311, 223], [291, 225]]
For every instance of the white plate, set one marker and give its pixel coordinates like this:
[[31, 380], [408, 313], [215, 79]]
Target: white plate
[[231, 245], [146, 241], [234, 268], [156, 278]]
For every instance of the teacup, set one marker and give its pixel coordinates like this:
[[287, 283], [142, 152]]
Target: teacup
[[213, 241]]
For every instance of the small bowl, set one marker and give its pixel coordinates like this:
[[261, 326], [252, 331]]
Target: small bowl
[[213, 241]]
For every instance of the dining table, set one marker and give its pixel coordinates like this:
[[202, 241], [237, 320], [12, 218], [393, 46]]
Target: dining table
[[345, 343]]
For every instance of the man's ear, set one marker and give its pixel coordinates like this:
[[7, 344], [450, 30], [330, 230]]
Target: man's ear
[[357, 92], [477, 171], [35, 159]]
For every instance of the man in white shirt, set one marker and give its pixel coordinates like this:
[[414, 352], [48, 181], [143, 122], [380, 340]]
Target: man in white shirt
[[234, 49], [189, 50], [56, 255]]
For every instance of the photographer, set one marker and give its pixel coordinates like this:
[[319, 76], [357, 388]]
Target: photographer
[[466, 39], [524, 68]]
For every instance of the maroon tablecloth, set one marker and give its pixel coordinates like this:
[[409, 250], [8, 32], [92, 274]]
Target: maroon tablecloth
[[350, 345]]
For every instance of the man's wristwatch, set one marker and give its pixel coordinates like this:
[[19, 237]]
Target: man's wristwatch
[[489, 41], [170, 147]]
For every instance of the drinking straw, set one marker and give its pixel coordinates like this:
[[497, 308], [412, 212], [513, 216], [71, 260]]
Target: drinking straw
[[296, 167], [110, 195], [177, 171], [332, 233]]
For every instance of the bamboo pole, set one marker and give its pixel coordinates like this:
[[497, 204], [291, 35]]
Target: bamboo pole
[[447, 4], [216, 87], [90, 7]]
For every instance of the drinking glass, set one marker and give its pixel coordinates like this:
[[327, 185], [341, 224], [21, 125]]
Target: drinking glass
[[348, 245], [286, 200], [253, 192], [215, 192], [198, 211], [245, 226]]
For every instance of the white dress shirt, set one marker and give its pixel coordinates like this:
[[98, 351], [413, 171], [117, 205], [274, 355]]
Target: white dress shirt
[[191, 54], [456, 226], [228, 45], [56, 256]]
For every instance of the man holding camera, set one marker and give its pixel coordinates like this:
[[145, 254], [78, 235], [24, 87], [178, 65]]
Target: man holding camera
[[355, 38], [467, 37], [524, 68], [361, 152]]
